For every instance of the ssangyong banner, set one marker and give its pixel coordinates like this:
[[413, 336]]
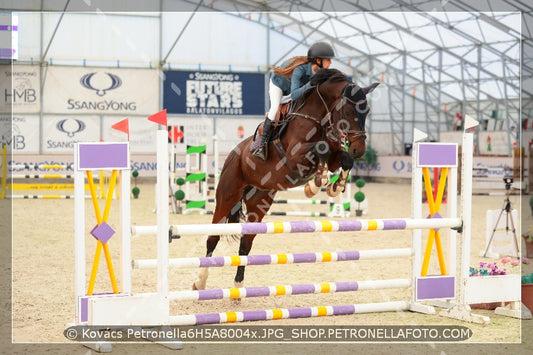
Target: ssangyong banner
[[19, 89], [101, 90], [214, 93], [61, 132]]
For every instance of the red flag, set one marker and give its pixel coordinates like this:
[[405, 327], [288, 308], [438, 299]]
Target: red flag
[[123, 126], [160, 117]]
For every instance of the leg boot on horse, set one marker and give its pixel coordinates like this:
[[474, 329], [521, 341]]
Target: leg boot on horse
[[261, 152]]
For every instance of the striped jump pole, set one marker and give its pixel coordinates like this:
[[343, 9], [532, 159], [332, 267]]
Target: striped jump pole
[[285, 290], [304, 312], [277, 259], [43, 176], [42, 166], [349, 225]]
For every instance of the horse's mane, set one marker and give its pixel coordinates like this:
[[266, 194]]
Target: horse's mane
[[332, 75], [323, 75]]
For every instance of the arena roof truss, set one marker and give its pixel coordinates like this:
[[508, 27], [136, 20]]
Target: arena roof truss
[[447, 58], [436, 59]]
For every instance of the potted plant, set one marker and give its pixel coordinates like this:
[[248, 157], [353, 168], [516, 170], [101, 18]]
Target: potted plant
[[135, 191], [527, 291], [359, 196]]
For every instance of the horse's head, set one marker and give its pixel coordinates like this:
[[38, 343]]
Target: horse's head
[[346, 109], [350, 117]]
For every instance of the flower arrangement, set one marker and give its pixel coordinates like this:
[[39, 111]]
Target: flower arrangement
[[492, 269]]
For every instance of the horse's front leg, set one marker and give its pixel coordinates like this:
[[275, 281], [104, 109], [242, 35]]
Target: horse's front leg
[[321, 179], [339, 186]]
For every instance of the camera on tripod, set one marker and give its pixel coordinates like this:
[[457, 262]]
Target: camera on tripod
[[508, 180]]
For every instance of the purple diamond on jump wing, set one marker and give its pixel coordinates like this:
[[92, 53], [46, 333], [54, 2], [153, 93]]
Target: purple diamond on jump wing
[[102, 232], [436, 215]]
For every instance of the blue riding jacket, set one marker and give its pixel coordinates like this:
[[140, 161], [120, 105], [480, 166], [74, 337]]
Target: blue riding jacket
[[299, 80]]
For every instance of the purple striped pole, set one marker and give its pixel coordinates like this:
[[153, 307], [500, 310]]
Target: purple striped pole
[[274, 259], [305, 312], [281, 290]]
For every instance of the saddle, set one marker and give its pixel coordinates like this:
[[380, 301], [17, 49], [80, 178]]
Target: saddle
[[278, 127]]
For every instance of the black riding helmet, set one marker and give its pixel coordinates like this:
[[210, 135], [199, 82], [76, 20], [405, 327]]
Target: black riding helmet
[[320, 50]]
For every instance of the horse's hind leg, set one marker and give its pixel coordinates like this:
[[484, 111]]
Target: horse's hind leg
[[227, 209]]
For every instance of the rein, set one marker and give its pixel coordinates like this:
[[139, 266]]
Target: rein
[[329, 129]]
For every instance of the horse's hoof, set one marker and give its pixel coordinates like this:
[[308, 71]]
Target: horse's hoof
[[194, 287], [332, 192], [308, 192]]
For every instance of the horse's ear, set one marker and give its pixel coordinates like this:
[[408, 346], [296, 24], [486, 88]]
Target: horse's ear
[[370, 88]]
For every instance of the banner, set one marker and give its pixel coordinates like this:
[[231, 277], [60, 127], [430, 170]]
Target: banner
[[23, 135], [212, 93], [19, 87], [101, 90], [61, 132]]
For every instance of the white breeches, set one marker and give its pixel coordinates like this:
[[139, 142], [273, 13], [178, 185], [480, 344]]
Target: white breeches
[[275, 94]]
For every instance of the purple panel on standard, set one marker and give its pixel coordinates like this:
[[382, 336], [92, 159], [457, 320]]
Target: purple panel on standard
[[254, 228], [428, 288], [208, 318], [349, 225], [216, 294], [394, 224], [84, 312], [302, 227], [253, 315], [343, 309], [95, 156], [300, 312], [437, 155]]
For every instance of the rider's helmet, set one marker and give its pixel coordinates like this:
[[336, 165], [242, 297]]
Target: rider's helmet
[[320, 50]]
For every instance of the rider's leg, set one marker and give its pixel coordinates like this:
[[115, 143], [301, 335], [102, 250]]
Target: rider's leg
[[275, 94]]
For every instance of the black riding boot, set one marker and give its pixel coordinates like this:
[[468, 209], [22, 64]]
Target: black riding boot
[[261, 152]]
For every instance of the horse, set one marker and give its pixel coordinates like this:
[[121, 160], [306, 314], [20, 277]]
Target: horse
[[324, 131]]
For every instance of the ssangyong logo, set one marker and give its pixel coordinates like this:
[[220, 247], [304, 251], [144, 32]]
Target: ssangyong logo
[[100, 89], [101, 84], [70, 126]]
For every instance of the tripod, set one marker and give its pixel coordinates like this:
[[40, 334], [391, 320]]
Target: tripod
[[506, 208]]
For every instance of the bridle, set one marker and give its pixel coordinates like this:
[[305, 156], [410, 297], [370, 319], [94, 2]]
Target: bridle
[[345, 136]]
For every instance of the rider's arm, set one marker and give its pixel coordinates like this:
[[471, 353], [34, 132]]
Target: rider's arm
[[296, 79]]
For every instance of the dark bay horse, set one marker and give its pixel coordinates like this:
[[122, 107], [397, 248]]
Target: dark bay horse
[[325, 131]]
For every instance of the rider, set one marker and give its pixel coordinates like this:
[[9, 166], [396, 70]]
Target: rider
[[292, 78]]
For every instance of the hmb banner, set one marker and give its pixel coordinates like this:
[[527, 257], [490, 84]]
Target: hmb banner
[[214, 93]]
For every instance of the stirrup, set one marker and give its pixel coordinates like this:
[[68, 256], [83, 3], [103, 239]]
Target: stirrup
[[260, 152]]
